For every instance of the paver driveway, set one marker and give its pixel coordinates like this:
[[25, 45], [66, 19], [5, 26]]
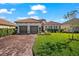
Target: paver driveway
[[17, 45]]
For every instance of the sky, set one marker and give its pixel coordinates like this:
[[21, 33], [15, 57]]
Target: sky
[[48, 11]]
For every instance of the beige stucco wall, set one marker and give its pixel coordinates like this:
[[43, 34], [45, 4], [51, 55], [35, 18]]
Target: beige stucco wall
[[3, 26], [66, 27]]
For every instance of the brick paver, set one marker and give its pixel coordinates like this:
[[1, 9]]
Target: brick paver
[[17, 45]]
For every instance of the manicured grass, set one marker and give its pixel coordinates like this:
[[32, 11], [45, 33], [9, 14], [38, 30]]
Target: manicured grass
[[56, 45]]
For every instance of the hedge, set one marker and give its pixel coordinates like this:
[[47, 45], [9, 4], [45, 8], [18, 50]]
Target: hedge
[[53, 30], [5, 31]]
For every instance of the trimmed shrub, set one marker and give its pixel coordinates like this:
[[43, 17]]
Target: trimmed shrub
[[52, 30], [5, 31]]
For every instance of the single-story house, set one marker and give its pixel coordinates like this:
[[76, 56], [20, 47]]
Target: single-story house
[[65, 27], [6, 24], [54, 26], [31, 25], [71, 25]]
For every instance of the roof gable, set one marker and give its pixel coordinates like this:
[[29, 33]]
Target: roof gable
[[52, 23], [28, 20]]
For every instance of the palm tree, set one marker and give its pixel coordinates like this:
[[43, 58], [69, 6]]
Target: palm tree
[[71, 15]]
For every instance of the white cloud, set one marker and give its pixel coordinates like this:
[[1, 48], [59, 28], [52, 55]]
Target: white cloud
[[12, 9], [44, 11], [7, 11], [31, 12], [38, 7], [35, 17]]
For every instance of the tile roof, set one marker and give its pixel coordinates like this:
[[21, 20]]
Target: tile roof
[[52, 23], [5, 22], [28, 20]]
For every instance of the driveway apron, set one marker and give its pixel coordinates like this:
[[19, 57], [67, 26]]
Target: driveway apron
[[17, 45]]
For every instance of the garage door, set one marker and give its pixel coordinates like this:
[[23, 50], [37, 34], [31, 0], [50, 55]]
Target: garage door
[[33, 29], [23, 29]]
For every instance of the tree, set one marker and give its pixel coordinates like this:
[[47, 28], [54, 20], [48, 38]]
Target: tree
[[71, 15]]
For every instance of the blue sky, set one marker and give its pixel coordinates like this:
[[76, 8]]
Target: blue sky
[[48, 11]]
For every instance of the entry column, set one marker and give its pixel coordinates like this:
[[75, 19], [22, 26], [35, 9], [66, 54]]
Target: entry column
[[44, 28], [18, 29], [28, 28]]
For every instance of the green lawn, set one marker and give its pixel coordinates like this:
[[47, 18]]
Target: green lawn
[[56, 44]]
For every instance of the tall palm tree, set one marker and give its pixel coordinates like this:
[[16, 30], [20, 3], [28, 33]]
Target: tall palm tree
[[71, 15]]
